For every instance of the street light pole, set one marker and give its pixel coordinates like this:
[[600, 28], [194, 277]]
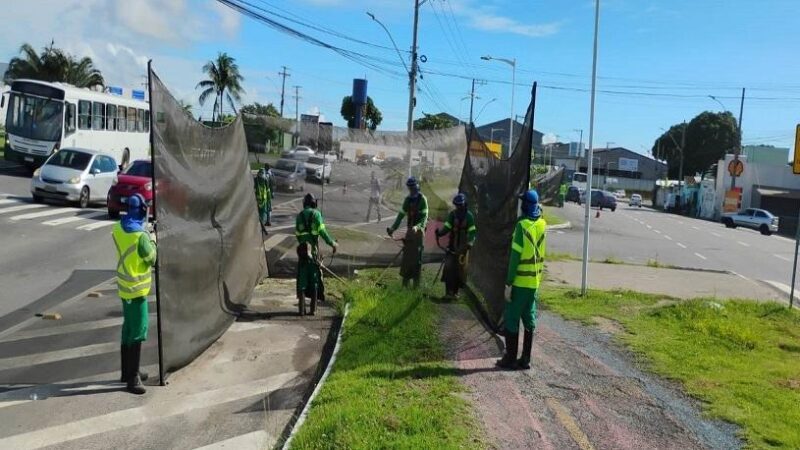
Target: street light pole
[[587, 208], [513, 63], [477, 116]]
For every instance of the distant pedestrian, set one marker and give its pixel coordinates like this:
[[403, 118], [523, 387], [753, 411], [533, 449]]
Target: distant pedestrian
[[460, 225], [415, 209], [136, 254], [525, 269], [375, 192], [562, 194]]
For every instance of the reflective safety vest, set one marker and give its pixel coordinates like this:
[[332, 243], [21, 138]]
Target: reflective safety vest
[[531, 262], [133, 273]]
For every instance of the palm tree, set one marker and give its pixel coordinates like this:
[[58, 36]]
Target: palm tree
[[224, 82], [53, 64], [186, 106]]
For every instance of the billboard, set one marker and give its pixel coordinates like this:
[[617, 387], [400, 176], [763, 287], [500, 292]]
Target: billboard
[[628, 165]]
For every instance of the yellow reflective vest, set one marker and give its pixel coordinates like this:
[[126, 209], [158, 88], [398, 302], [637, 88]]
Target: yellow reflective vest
[[133, 271], [529, 242]]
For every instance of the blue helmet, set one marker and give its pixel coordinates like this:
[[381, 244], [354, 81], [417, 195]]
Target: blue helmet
[[137, 206], [460, 199], [412, 182], [531, 197]]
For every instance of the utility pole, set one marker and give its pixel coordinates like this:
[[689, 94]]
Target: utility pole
[[472, 96], [412, 84], [739, 144], [283, 74], [297, 111], [680, 169]]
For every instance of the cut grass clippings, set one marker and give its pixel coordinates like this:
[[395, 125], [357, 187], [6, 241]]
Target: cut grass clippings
[[741, 358], [390, 386]]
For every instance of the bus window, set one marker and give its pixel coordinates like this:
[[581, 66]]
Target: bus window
[[132, 119], [69, 119], [122, 118], [111, 117], [147, 121], [98, 116], [579, 177], [140, 121], [84, 115], [35, 118]]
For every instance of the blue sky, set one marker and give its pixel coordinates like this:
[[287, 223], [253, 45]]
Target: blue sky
[[659, 60]]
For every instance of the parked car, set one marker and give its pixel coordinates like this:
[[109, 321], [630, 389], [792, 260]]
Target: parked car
[[601, 199], [289, 174], [136, 179], [301, 152], [377, 160], [74, 175], [319, 168], [620, 193], [364, 159], [636, 200], [757, 219], [573, 194]]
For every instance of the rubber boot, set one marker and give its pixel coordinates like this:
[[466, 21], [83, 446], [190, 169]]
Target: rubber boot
[[123, 352], [134, 381], [509, 360], [527, 345], [415, 282]]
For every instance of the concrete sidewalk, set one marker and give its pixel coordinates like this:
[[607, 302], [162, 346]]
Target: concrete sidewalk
[[60, 385], [682, 283]]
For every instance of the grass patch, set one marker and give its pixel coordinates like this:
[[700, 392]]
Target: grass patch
[[612, 260], [2, 146], [552, 218], [658, 265], [390, 386], [556, 256], [739, 357]]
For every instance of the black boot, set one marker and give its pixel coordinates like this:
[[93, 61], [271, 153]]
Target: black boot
[[134, 381], [509, 360], [123, 352], [527, 344]]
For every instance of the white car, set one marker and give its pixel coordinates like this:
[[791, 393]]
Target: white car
[[318, 168], [636, 200], [75, 175], [620, 193], [757, 219], [302, 151]]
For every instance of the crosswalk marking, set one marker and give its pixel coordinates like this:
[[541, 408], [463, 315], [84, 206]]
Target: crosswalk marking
[[275, 239], [63, 220], [49, 212], [20, 208], [255, 440], [57, 355], [5, 201], [96, 225]]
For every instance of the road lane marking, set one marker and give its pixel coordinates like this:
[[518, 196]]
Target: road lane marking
[[782, 257], [680, 222], [649, 227], [743, 243], [6, 201], [657, 232], [63, 220], [667, 237], [569, 424], [715, 234], [57, 355], [698, 229], [559, 232], [148, 413], [275, 239], [681, 245], [700, 256], [21, 208], [71, 328], [740, 276], [255, 439], [49, 212], [96, 225]]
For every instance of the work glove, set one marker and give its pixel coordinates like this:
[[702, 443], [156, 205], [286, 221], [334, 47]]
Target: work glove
[[507, 293], [414, 229], [389, 231]]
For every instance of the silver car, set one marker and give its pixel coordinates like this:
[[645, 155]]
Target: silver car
[[74, 175]]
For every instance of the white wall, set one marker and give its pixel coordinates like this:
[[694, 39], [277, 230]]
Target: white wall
[[763, 175]]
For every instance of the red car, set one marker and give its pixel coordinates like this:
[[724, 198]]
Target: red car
[[135, 180]]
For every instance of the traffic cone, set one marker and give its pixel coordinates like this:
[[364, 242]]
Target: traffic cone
[[597, 216]]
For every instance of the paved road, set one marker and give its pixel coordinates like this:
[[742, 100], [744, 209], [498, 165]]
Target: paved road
[[638, 235]]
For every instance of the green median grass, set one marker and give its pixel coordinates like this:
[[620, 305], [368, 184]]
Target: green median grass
[[390, 386], [741, 358]]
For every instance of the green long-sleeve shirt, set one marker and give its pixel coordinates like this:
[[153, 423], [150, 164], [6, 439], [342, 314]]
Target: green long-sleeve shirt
[[146, 249], [472, 230], [517, 242], [309, 226], [417, 211]]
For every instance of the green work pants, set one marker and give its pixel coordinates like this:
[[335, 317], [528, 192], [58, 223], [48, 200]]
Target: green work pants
[[522, 305], [134, 320]]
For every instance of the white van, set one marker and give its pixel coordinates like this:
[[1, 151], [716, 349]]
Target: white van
[[319, 167]]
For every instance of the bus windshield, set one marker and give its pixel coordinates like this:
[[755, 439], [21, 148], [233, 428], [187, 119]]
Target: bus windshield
[[34, 117], [579, 177]]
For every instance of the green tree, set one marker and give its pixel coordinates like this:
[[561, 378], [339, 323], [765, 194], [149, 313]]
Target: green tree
[[258, 109], [257, 129], [224, 83], [373, 114], [708, 137], [434, 122], [53, 64]]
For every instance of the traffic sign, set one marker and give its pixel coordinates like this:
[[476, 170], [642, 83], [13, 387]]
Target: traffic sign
[[736, 167], [796, 162]]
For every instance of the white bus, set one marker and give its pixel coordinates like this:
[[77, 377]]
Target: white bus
[[579, 181], [43, 117]]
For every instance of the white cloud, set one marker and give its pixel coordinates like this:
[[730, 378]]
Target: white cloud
[[485, 18], [230, 20]]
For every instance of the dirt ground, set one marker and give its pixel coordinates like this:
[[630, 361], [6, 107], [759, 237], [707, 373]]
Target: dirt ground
[[583, 392]]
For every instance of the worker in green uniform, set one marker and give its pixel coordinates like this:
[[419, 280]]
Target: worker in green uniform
[[562, 194], [309, 226], [524, 276], [263, 197], [136, 254], [460, 225], [415, 209]]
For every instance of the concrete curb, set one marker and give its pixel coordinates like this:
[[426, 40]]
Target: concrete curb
[[304, 413], [561, 226]]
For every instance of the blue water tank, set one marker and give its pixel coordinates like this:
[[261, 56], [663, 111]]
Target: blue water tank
[[359, 91]]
